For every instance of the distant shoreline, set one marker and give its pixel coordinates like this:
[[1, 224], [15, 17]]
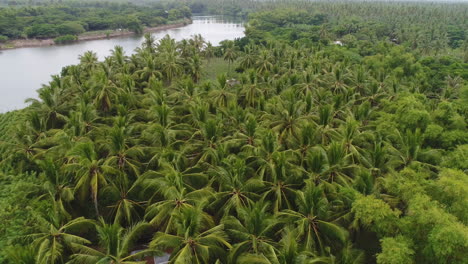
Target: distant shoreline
[[31, 43]]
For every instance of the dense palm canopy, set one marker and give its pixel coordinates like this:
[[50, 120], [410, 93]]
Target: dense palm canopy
[[303, 152], [116, 245]]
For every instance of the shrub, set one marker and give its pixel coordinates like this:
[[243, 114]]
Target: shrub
[[396, 250], [3, 39], [65, 39], [70, 28]]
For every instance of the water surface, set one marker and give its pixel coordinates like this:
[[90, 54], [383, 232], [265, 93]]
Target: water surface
[[23, 71]]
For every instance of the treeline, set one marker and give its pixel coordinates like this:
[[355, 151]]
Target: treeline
[[428, 29], [436, 27], [74, 18]]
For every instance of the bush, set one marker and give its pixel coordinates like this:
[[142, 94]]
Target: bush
[[396, 250], [3, 38], [134, 25], [70, 28], [65, 39], [42, 31]]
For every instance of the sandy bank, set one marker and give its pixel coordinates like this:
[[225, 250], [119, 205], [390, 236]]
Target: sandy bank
[[28, 43]]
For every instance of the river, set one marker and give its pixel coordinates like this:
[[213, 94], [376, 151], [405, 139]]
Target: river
[[24, 70]]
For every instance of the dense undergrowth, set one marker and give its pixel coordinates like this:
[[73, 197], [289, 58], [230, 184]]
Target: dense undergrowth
[[300, 151]]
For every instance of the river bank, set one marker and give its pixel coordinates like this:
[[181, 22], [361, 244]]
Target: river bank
[[29, 43]]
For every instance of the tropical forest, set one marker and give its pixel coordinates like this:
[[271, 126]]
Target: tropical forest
[[331, 132]]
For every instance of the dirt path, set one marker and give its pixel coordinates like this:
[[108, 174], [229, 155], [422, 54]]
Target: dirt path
[[28, 43]]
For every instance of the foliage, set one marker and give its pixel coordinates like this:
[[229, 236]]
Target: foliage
[[73, 18], [395, 250], [65, 39], [298, 151]]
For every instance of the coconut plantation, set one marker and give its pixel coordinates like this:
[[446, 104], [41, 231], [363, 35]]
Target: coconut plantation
[[330, 132]]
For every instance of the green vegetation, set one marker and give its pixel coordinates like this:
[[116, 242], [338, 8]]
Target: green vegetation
[[74, 18], [65, 39], [280, 147], [431, 29]]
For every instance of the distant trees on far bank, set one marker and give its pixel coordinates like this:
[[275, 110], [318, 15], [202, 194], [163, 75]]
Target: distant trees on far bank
[[70, 18]]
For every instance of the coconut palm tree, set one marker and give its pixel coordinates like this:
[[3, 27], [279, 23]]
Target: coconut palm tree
[[264, 62], [253, 232], [249, 57], [122, 154], [223, 95], [235, 190], [313, 220], [57, 185], [116, 245], [25, 148], [198, 42], [103, 90], [88, 170], [286, 116], [57, 237], [280, 185], [230, 53], [150, 70], [149, 43], [195, 68], [196, 239], [118, 56], [171, 193], [209, 51], [205, 144], [171, 65], [251, 92], [52, 106], [127, 203], [291, 251], [88, 60]]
